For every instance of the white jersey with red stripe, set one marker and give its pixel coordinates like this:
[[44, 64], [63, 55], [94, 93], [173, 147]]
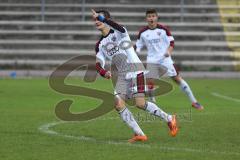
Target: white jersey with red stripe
[[157, 42], [116, 44], [117, 48]]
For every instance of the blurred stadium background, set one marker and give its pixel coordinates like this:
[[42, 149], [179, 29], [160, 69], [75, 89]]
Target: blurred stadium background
[[38, 35]]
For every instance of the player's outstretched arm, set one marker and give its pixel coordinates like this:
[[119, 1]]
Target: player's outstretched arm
[[108, 21], [115, 25]]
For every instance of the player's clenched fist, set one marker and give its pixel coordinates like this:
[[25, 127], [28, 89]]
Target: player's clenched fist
[[94, 14], [108, 75]]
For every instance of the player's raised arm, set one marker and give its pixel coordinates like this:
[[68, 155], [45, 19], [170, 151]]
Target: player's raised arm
[[115, 25], [106, 19]]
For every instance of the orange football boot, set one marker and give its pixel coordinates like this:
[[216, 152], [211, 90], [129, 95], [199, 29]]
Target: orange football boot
[[197, 106], [137, 138], [173, 126]]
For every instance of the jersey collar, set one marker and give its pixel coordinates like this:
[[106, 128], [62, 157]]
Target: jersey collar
[[110, 31]]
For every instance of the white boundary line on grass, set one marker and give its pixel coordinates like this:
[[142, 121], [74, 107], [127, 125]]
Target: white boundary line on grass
[[46, 129], [225, 97]]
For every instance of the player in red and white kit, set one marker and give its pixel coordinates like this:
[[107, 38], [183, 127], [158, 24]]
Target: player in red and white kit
[[113, 46], [159, 42]]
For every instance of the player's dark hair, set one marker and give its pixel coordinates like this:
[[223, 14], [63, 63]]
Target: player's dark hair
[[151, 11], [105, 13]]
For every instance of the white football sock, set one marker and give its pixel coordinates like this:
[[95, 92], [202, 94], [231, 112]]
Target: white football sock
[[187, 90], [128, 118], [155, 110]]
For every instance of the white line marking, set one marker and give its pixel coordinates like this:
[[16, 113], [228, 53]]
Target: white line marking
[[46, 129], [225, 97]]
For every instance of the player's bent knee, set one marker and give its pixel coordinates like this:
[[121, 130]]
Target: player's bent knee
[[140, 105], [177, 79], [140, 102], [119, 104], [119, 107]]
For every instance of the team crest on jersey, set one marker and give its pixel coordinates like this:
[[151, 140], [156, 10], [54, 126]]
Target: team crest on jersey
[[111, 48], [159, 33], [114, 38]]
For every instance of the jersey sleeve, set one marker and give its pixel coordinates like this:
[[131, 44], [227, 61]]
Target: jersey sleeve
[[139, 44], [100, 61], [115, 25], [171, 40], [140, 41], [169, 35]]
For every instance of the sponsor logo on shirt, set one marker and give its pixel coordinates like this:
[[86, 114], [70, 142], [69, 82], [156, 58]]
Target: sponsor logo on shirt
[[111, 48], [154, 40]]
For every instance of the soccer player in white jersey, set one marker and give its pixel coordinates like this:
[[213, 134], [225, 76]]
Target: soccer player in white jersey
[[109, 48], [159, 44]]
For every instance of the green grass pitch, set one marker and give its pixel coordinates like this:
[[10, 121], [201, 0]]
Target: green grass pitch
[[29, 129]]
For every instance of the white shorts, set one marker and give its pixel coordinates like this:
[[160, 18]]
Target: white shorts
[[129, 88], [171, 69], [158, 70]]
